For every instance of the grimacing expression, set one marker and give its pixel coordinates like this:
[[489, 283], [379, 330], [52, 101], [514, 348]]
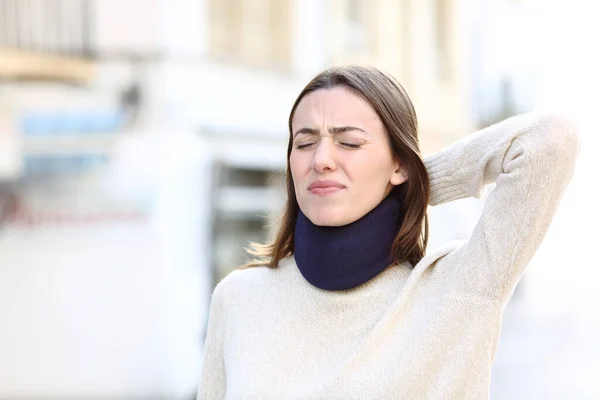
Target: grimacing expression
[[341, 160]]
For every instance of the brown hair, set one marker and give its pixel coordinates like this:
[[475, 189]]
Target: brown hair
[[393, 106]]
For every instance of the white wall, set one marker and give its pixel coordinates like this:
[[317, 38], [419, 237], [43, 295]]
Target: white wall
[[488, 43], [228, 98], [183, 30], [309, 40], [10, 146], [122, 26]]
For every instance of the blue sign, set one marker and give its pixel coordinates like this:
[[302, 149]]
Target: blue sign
[[71, 122]]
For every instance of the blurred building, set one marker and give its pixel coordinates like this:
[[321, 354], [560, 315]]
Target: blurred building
[[424, 45], [142, 144]]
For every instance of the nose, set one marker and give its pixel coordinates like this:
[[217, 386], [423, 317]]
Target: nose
[[324, 157]]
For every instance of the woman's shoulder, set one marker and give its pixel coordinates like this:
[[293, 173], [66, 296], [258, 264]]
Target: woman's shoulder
[[250, 277], [439, 253], [248, 285]]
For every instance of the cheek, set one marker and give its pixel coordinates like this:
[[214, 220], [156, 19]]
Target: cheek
[[298, 163], [296, 167], [293, 164], [371, 168]]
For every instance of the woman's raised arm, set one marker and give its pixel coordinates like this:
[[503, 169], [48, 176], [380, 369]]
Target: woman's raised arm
[[531, 159]]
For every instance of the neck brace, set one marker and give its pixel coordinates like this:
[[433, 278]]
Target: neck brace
[[343, 257]]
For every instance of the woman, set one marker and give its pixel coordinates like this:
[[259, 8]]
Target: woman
[[344, 304]]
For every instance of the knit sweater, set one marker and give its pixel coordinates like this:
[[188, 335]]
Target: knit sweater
[[424, 332]]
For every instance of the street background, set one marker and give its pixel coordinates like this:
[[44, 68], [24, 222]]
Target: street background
[[142, 145]]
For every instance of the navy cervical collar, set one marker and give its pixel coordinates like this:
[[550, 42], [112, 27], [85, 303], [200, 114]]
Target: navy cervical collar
[[338, 258]]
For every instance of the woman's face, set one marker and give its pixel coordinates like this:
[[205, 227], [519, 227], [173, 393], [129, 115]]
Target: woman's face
[[341, 161]]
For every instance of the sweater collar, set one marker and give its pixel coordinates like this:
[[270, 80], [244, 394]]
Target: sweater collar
[[339, 258]]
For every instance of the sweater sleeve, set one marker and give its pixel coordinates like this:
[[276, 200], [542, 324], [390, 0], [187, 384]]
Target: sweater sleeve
[[531, 159], [212, 377]]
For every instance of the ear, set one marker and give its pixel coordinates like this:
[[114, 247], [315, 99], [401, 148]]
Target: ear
[[399, 175]]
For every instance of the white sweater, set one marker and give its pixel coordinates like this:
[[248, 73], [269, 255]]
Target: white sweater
[[428, 332]]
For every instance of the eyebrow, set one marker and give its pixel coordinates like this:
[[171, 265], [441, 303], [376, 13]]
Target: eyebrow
[[334, 130]]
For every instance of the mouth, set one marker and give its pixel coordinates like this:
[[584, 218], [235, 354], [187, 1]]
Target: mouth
[[325, 191], [323, 188]]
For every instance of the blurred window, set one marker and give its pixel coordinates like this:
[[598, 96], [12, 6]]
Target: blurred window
[[255, 33], [245, 200], [50, 26]]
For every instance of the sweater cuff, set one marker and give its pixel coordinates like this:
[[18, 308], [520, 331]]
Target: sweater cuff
[[444, 187]]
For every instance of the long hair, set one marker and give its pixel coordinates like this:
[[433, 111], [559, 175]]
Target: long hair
[[395, 109]]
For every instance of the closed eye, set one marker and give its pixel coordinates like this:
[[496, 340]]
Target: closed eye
[[303, 146], [344, 144]]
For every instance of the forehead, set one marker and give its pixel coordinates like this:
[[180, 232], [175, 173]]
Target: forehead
[[335, 105]]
